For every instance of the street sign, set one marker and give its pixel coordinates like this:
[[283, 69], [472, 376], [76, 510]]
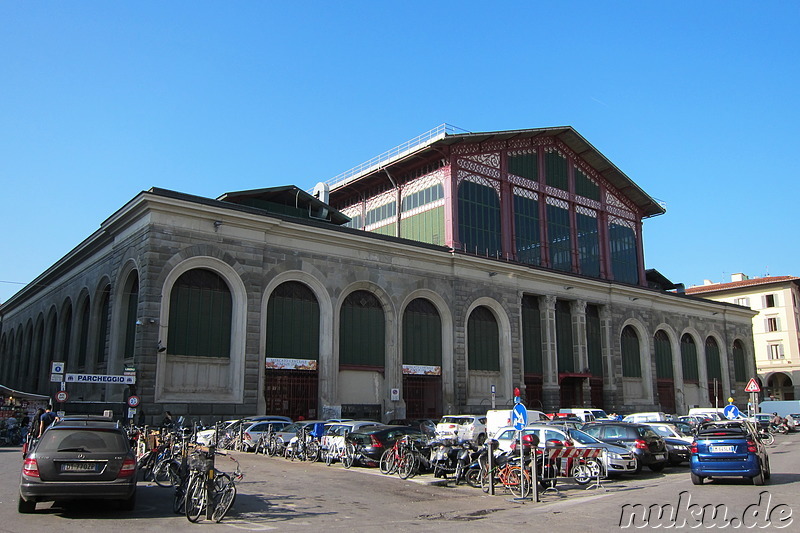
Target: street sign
[[133, 401], [752, 386], [100, 378], [731, 412], [56, 378], [57, 367], [61, 396], [519, 416]]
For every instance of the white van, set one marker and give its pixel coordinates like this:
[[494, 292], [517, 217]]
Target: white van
[[638, 418], [500, 418], [587, 414]]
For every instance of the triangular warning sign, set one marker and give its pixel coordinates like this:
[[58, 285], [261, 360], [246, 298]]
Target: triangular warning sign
[[752, 386]]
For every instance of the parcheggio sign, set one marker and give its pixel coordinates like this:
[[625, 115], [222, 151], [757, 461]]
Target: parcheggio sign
[[100, 378]]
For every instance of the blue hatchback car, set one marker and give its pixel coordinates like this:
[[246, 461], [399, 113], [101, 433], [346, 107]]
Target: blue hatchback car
[[729, 449]]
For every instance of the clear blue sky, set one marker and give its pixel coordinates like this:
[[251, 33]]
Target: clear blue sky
[[696, 101]]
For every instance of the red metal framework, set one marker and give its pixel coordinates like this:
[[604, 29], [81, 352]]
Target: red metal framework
[[291, 393]]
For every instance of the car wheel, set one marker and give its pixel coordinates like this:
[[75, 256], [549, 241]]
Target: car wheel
[[768, 471], [638, 467], [481, 439], [697, 480], [658, 467], [26, 507], [129, 504], [758, 479]]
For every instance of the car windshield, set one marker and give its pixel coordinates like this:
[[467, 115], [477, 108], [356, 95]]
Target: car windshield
[[663, 431], [582, 437], [598, 413], [454, 420], [82, 440], [647, 432]]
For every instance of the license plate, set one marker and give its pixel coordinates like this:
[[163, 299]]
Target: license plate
[[721, 449], [632, 464], [659, 456], [79, 467]]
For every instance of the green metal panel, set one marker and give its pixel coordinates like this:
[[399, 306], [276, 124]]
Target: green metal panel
[[663, 350], [132, 306], [713, 366], [531, 335], [559, 237], [585, 187], [564, 344], [102, 330], [524, 165], [423, 197], [631, 362], [594, 342], [739, 367], [689, 359], [427, 226], [200, 315], [83, 341], [293, 322], [388, 229], [483, 338], [588, 245], [362, 331], [422, 334], [479, 219], [556, 170], [527, 231], [624, 256]]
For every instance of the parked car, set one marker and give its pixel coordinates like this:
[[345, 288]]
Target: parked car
[[674, 430], [763, 420], [647, 446], [374, 441], [793, 421], [426, 425], [564, 422], [254, 431], [338, 430], [206, 437], [79, 459], [725, 449], [646, 417], [615, 460], [586, 414], [462, 427]]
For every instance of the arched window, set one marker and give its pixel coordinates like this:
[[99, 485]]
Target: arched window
[[483, 340], [689, 359], [422, 334], [739, 366], [200, 315], [663, 350], [479, 219], [631, 362], [362, 340], [293, 322]]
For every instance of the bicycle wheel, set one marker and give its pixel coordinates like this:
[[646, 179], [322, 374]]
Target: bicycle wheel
[[225, 500], [485, 479], [406, 465], [179, 500], [196, 496], [349, 456], [518, 482], [473, 477], [312, 452], [388, 463], [165, 473]]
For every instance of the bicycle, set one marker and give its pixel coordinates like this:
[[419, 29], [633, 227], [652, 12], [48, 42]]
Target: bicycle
[[209, 489], [336, 450], [509, 474]]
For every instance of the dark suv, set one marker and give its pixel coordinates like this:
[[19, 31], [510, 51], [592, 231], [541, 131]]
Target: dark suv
[[646, 445], [79, 458]]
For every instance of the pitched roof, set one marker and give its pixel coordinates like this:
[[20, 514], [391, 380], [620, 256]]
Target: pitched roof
[[716, 287]]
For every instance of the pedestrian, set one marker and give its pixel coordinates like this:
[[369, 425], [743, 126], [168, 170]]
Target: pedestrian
[[24, 427], [47, 418], [33, 429]]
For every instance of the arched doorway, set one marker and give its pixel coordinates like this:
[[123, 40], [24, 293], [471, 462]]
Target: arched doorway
[[422, 360], [780, 387]]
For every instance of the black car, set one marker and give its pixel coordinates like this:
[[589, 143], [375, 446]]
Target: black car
[[646, 445], [426, 425], [371, 443], [76, 459]]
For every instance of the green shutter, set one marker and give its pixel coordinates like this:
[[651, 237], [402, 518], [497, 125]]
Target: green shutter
[[689, 359], [422, 334], [663, 350], [362, 331], [739, 367], [631, 361], [713, 366], [483, 338], [200, 315], [531, 335], [293, 322]]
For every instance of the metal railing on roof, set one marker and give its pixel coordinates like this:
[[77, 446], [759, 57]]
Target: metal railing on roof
[[409, 146]]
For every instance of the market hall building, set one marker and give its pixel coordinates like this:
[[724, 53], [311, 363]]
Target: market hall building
[[414, 285]]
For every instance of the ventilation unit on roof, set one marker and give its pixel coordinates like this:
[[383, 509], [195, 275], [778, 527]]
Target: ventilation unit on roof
[[322, 192]]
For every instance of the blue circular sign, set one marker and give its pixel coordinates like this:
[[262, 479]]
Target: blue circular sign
[[519, 416], [731, 412]]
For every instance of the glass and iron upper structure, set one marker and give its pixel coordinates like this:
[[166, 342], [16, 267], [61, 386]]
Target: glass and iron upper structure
[[543, 197]]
